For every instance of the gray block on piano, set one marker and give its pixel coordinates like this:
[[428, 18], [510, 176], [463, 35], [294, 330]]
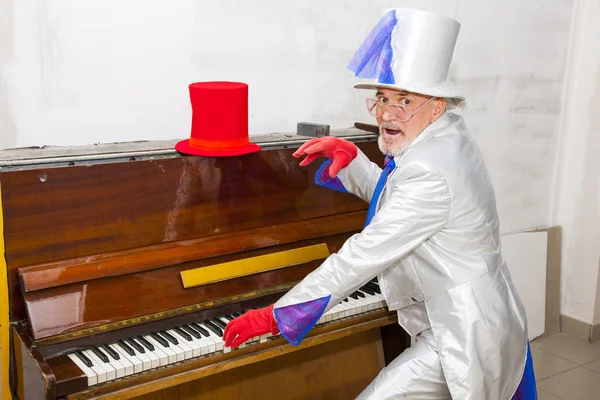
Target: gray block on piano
[[312, 130]]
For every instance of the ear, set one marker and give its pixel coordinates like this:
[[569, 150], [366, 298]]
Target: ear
[[438, 109]]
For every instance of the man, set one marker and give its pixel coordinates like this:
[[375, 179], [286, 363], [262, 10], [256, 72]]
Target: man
[[431, 237]]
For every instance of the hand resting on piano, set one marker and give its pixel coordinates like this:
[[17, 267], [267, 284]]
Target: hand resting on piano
[[259, 322]]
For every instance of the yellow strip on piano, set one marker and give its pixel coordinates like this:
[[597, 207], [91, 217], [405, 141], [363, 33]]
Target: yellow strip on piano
[[253, 265], [4, 323]]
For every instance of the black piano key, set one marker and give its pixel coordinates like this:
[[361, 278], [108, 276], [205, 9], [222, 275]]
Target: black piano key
[[135, 345], [360, 294], [219, 323], [237, 314], [367, 290], [184, 334], [84, 358], [354, 296], [100, 354], [230, 317], [169, 337], [373, 287], [200, 329], [375, 283], [192, 331], [160, 339], [213, 327], [146, 343], [346, 299], [111, 352], [126, 347]]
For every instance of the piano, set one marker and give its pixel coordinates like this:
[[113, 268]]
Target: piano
[[98, 248]]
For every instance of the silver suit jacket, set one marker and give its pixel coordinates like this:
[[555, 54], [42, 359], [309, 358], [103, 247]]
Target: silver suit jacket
[[434, 244]]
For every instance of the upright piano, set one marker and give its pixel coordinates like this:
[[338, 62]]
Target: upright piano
[[98, 246]]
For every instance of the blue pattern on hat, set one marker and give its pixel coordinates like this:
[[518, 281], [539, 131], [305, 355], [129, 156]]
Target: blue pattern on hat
[[373, 59]]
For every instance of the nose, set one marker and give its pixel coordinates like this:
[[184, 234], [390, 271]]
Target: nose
[[386, 116]]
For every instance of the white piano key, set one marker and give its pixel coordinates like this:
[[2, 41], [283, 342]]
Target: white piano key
[[370, 300], [138, 365], [382, 302], [209, 345], [195, 346], [335, 313], [264, 338], [364, 302], [212, 336], [327, 315], [111, 372], [127, 365], [116, 364], [146, 362], [187, 349], [171, 355], [163, 358], [345, 309], [352, 306], [342, 311], [154, 359], [205, 345], [355, 304], [92, 377], [179, 352], [104, 373]]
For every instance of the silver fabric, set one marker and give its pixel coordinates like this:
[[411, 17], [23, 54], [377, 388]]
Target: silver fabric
[[435, 240], [416, 374], [422, 44]]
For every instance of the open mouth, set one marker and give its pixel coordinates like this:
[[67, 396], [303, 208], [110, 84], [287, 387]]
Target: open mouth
[[391, 132]]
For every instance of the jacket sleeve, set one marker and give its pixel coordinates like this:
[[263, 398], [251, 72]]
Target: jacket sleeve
[[359, 177], [417, 207]]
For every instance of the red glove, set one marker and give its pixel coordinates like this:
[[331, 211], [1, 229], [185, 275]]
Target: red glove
[[251, 324], [340, 150]]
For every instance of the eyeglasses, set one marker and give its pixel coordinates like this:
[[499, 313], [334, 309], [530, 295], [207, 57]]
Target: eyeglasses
[[397, 111]]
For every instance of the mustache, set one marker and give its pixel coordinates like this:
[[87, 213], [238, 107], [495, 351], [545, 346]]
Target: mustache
[[390, 125]]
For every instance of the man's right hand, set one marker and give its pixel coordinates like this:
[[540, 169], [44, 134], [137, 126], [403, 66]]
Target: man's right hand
[[251, 324], [341, 151]]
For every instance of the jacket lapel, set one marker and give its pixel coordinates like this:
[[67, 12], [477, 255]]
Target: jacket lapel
[[441, 124]]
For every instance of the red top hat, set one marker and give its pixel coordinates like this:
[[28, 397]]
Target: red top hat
[[219, 120]]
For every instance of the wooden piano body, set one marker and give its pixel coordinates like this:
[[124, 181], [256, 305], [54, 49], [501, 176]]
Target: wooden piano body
[[94, 253]]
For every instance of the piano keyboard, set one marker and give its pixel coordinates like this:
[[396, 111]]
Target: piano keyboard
[[142, 353]]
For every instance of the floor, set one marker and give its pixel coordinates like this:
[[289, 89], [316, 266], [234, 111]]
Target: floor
[[566, 368]]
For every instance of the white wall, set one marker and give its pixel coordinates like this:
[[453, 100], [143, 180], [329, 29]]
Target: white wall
[[81, 72], [577, 205]]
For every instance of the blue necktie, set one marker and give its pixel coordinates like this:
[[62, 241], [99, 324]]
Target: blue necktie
[[389, 166]]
